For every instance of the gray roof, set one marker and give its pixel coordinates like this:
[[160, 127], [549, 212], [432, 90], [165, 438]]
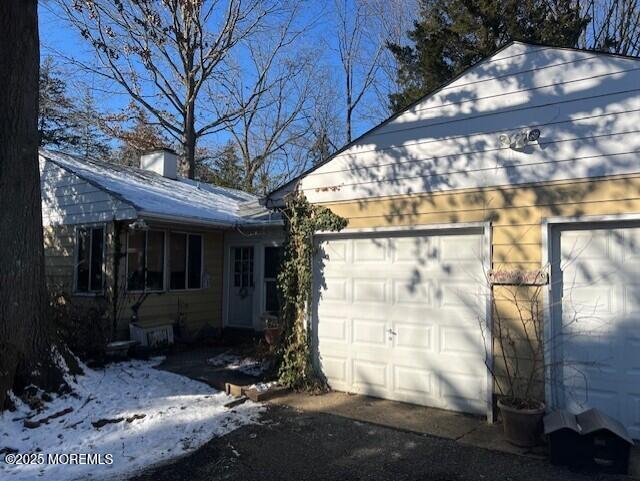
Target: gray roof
[[153, 195]]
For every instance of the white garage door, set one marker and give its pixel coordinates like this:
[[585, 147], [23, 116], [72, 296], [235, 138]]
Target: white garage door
[[399, 318], [596, 333]]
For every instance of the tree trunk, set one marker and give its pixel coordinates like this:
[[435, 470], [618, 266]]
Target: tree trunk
[[189, 142], [24, 345], [349, 105]]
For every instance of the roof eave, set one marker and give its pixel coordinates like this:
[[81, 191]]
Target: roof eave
[[174, 219]]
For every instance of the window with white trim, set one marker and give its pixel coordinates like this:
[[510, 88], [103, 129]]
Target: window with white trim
[[145, 260], [89, 259], [185, 261]]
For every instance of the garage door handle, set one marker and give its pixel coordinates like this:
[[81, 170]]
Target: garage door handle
[[392, 332]]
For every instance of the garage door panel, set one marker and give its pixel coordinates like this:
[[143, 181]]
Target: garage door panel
[[459, 341], [459, 294], [370, 373], [462, 390], [590, 353], [632, 299], [599, 344], [413, 336], [412, 381], [334, 368], [418, 293], [415, 250], [369, 290], [369, 332], [370, 250], [333, 329], [334, 289], [462, 248], [582, 398], [394, 320], [632, 360], [589, 273], [589, 302], [334, 251], [585, 245]]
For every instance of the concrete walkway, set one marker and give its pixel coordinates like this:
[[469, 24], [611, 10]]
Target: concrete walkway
[[466, 429], [192, 363]]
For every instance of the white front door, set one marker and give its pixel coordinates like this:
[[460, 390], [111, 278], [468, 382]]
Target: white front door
[[242, 286], [596, 330], [399, 317]]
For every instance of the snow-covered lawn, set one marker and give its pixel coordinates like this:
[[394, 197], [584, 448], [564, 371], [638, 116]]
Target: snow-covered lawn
[[234, 362], [179, 416]]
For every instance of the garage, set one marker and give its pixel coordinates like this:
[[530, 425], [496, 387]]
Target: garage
[[398, 316], [595, 335]]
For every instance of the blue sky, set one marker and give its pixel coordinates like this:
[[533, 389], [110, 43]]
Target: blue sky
[[62, 40]]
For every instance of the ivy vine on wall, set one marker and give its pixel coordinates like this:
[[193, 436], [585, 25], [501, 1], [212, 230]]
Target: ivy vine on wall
[[295, 282]]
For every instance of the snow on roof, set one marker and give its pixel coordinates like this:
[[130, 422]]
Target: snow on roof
[[151, 194]]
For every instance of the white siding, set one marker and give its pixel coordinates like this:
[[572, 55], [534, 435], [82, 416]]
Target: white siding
[[586, 105], [68, 199]]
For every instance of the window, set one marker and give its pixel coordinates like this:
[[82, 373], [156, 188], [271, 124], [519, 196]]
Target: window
[[272, 261], [243, 267], [89, 251], [145, 260], [185, 259]]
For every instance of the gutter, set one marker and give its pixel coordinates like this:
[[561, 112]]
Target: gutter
[[207, 223]]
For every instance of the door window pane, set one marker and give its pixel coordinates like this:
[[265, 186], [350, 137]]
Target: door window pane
[[195, 261], [82, 267], [136, 260], [155, 260], [178, 261], [243, 267]]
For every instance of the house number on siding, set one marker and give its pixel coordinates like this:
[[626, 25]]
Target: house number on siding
[[519, 277]]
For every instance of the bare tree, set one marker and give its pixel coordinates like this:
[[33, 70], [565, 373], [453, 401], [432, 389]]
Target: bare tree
[[389, 22], [25, 348], [165, 54], [614, 27], [359, 55], [272, 95]]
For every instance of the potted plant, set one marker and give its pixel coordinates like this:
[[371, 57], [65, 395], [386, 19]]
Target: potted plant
[[272, 330], [518, 367]]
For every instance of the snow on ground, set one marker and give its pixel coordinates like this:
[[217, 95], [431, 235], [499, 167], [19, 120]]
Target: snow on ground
[[180, 416], [246, 365], [264, 386]]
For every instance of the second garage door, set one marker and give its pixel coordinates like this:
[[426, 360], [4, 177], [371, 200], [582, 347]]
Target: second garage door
[[399, 317], [596, 328]]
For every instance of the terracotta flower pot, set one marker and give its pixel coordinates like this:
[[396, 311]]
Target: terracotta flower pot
[[522, 427], [272, 335]]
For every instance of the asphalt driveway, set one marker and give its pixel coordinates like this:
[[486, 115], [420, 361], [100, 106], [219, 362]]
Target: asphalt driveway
[[296, 446]]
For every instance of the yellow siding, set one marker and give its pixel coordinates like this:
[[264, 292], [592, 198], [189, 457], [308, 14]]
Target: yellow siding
[[515, 214], [59, 255], [201, 309]]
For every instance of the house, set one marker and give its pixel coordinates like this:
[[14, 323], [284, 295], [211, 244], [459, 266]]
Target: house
[[184, 257], [524, 168]]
